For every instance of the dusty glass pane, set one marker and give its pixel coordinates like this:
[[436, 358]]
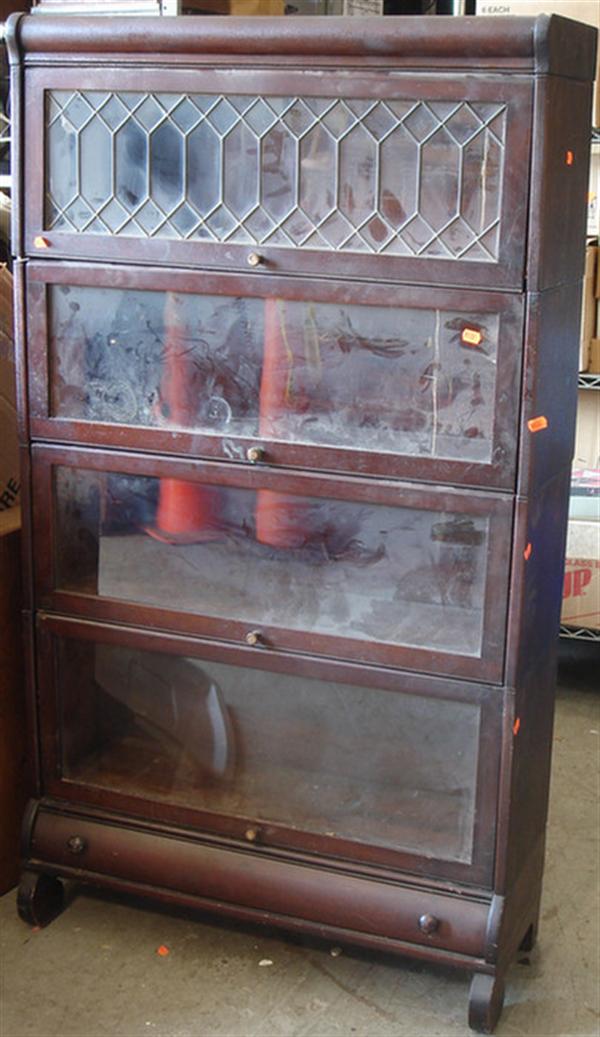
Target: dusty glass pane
[[272, 747], [393, 575], [409, 381], [155, 359], [356, 175]]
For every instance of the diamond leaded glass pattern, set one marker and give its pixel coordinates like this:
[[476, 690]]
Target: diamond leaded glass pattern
[[408, 178]]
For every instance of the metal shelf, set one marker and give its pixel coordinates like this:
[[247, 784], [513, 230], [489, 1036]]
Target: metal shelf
[[580, 633], [588, 380]]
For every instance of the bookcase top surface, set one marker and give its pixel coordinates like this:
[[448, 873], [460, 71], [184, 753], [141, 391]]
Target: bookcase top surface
[[546, 44]]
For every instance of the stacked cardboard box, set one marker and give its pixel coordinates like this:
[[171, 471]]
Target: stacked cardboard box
[[594, 351], [581, 597]]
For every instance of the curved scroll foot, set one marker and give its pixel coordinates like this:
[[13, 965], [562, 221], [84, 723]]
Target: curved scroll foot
[[486, 998], [39, 898]]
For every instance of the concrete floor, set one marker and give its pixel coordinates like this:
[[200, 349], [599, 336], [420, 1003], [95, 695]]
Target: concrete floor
[[95, 970]]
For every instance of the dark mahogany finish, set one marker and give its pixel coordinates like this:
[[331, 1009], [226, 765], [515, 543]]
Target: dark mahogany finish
[[297, 380]]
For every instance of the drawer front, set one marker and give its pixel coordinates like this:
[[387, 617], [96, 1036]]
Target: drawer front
[[419, 178], [362, 378], [285, 751], [311, 897], [380, 572]]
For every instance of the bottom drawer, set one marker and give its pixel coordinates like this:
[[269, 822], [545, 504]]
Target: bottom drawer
[[326, 757], [145, 860]]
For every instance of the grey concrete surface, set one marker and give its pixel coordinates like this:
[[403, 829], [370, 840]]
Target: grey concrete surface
[[95, 970]]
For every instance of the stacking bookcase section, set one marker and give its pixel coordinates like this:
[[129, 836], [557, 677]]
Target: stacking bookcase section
[[376, 379], [381, 572], [406, 177], [263, 747], [296, 307]]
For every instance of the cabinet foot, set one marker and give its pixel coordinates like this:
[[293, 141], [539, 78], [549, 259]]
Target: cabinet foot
[[40, 898], [486, 998]]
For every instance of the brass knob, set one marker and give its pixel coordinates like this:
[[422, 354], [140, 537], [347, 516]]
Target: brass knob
[[251, 835], [254, 259], [41, 242], [253, 637], [429, 924], [76, 844], [255, 453]]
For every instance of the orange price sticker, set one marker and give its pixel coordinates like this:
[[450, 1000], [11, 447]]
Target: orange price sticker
[[517, 726], [537, 424], [527, 552], [569, 158], [163, 950], [471, 336]]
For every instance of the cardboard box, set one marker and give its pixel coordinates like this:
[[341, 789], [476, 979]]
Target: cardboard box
[[10, 483], [588, 306], [581, 592], [587, 435], [593, 198], [587, 11], [594, 357]]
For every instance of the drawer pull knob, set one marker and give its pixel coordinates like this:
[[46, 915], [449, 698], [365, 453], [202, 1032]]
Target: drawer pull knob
[[255, 453], [253, 637], [429, 924], [254, 259], [41, 242], [76, 844], [251, 835]]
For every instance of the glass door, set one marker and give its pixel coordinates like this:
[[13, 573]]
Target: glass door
[[415, 382], [406, 176], [382, 572], [342, 761]]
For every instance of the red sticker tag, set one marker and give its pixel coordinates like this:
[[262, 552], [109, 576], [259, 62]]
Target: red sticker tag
[[537, 424], [527, 553]]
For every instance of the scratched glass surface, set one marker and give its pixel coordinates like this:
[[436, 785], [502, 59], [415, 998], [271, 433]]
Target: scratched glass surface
[[381, 378], [395, 575], [329, 758], [398, 176]]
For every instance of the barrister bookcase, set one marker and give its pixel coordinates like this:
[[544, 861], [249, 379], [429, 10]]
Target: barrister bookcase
[[297, 314]]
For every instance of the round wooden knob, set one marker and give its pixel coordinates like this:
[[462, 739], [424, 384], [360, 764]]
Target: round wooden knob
[[254, 259], [429, 924], [251, 835], [253, 637], [76, 844]]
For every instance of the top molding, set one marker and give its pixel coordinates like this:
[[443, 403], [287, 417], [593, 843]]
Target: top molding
[[548, 44]]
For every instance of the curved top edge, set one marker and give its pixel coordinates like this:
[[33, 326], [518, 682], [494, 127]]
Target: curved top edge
[[11, 37], [545, 40]]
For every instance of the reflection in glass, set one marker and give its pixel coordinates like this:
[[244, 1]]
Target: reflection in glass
[[397, 575], [381, 378], [319, 756]]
